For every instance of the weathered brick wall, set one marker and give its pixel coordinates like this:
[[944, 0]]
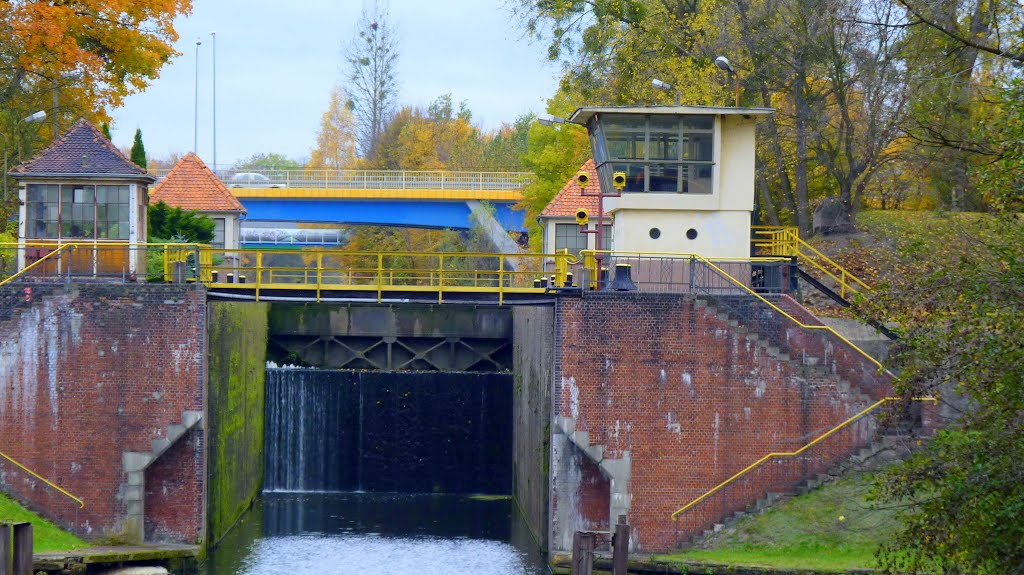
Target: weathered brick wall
[[88, 373], [670, 401]]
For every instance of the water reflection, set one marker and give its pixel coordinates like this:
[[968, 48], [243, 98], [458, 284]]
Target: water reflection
[[370, 533]]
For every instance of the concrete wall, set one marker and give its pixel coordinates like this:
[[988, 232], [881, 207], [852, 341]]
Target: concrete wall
[[92, 378], [238, 347], [657, 400], [533, 349]]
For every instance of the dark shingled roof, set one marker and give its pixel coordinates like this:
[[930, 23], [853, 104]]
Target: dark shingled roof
[[82, 151]]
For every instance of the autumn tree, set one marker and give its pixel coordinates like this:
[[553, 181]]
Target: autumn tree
[[371, 59], [138, 152], [336, 138], [95, 51]]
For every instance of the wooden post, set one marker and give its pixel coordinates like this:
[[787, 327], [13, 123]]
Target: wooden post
[[6, 551], [22, 549], [583, 553], [620, 547]]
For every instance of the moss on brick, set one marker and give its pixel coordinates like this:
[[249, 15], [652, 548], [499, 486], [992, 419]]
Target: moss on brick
[[238, 344]]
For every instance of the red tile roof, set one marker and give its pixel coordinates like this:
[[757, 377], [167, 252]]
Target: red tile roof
[[190, 185], [81, 151], [572, 198]]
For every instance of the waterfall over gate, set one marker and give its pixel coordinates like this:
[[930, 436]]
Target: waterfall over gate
[[412, 432]]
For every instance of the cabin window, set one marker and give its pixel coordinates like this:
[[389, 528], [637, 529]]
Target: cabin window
[[77, 211]]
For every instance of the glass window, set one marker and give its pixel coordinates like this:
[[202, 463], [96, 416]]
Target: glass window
[[568, 236], [218, 233], [42, 210], [78, 211], [657, 153], [606, 237]]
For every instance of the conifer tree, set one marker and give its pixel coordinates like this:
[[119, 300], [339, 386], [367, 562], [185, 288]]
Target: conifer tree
[[139, 150], [106, 130]]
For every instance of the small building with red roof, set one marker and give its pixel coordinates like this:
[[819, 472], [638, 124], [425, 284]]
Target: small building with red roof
[[558, 220], [191, 185]]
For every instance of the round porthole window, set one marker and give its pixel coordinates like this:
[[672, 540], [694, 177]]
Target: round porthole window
[[655, 233], [691, 234]]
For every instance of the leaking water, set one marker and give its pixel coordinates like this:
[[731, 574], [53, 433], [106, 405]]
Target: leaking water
[[417, 443]]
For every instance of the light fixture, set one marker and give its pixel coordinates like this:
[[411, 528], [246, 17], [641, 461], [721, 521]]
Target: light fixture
[[549, 120], [723, 63], [666, 87]]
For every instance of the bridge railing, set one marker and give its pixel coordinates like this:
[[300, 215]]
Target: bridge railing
[[371, 179]]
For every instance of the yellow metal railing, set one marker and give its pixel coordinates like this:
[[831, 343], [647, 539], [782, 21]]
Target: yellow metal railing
[[590, 261], [81, 504], [38, 263], [781, 454], [786, 242]]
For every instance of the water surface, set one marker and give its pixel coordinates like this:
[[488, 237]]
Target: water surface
[[374, 533]]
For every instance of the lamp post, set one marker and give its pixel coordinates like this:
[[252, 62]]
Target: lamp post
[[724, 64], [72, 76], [195, 132], [213, 36], [37, 117]]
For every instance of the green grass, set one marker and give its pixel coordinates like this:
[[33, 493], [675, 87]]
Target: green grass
[[832, 529], [47, 537]]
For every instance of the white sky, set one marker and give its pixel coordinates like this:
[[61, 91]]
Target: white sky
[[277, 61]]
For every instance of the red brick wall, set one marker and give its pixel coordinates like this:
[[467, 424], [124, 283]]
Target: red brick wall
[[692, 401], [88, 373]]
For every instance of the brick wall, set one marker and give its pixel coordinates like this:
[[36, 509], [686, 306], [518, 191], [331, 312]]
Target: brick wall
[[672, 400], [88, 373]]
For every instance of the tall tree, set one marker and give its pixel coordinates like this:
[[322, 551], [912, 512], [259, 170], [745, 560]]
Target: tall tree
[[138, 150], [336, 138], [268, 161], [371, 59], [105, 128]]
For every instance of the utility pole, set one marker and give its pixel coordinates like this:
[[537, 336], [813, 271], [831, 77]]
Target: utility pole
[[213, 35], [195, 136]]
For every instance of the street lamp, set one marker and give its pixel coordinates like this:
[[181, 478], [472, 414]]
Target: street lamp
[[71, 76], [213, 35], [725, 65], [667, 88], [195, 133], [37, 117], [549, 120]]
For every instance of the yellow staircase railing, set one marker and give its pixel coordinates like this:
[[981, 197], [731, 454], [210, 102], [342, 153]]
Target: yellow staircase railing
[[81, 504], [786, 242], [786, 454]]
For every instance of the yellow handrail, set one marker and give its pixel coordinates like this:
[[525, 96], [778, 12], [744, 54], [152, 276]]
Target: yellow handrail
[[697, 257], [81, 504], [36, 263], [786, 241], [779, 454]]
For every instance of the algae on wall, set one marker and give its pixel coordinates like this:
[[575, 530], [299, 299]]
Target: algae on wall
[[238, 347]]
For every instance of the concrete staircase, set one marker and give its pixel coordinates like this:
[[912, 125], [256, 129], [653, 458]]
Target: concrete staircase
[[135, 465], [881, 452]]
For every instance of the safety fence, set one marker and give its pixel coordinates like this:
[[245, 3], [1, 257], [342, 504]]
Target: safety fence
[[371, 179]]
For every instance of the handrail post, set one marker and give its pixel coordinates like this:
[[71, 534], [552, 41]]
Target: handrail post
[[319, 274], [259, 273], [501, 280], [380, 277], [440, 278]]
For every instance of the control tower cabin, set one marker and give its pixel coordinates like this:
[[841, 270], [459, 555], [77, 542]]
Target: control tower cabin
[[675, 178]]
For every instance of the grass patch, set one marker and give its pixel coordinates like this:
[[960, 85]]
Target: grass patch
[[831, 529], [47, 537]]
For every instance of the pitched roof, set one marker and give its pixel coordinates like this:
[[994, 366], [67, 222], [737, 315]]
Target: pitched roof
[[81, 151], [572, 198], [190, 185]]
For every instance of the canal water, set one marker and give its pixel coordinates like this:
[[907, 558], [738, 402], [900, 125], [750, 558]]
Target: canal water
[[377, 533]]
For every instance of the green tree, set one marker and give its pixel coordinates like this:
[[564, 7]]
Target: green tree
[[175, 224], [268, 161], [105, 127], [138, 150]]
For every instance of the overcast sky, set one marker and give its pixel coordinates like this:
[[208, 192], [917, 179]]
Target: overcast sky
[[277, 61]]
